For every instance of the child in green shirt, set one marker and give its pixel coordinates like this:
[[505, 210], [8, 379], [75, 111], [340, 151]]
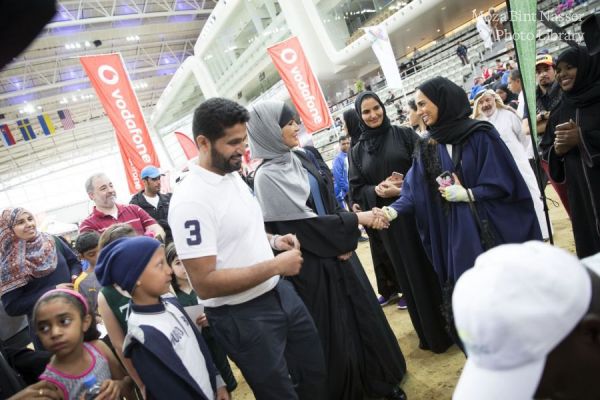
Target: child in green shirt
[[187, 297]]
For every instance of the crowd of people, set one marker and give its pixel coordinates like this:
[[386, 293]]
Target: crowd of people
[[157, 296]]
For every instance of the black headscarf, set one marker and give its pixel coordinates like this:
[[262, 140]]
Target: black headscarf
[[590, 27], [453, 125], [373, 137], [586, 89], [352, 122], [510, 96], [287, 114]]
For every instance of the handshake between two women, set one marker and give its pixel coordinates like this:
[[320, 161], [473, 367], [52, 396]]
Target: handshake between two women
[[375, 219], [380, 218]]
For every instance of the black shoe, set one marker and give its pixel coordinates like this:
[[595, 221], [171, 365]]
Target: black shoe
[[397, 394], [423, 346]]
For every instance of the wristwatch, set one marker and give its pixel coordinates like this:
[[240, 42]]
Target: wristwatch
[[272, 242]]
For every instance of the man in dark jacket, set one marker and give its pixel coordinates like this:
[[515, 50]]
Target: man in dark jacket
[[152, 201], [461, 51]]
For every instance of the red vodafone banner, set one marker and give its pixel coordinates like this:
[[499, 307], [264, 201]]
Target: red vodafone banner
[[187, 145], [111, 82], [301, 83]]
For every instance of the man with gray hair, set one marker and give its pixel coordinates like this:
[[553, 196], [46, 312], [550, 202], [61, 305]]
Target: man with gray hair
[[107, 212], [490, 107]]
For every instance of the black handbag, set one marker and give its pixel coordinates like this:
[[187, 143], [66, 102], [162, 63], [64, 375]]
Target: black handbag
[[484, 227]]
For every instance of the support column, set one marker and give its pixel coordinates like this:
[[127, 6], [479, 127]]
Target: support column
[[255, 18], [203, 77], [297, 18]]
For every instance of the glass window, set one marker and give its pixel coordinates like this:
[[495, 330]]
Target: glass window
[[250, 20], [343, 20]]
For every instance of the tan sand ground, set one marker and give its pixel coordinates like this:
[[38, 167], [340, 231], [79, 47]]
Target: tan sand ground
[[431, 376]]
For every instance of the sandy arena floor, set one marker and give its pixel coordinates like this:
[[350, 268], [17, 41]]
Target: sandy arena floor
[[431, 376]]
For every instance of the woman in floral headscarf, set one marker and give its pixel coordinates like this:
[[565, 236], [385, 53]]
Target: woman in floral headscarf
[[31, 262]]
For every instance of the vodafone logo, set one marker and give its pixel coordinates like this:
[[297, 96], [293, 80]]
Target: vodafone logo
[[110, 80], [108, 75], [289, 56]]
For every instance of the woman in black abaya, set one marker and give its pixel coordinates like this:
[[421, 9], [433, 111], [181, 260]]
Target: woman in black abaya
[[362, 354], [571, 144], [387, 284], [382, 150]]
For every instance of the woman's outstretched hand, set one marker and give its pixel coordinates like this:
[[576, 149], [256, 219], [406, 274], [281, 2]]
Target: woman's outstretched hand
[[373, 219], [387, 213]]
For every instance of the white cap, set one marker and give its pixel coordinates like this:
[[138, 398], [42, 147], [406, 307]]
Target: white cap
[[511, 310], [593, 263]]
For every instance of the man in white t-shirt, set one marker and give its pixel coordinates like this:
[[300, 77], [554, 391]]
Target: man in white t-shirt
[[218, 230]]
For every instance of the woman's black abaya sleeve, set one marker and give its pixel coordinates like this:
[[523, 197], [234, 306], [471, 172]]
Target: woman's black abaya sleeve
[[362, 192], [556, 164], [325, 236]]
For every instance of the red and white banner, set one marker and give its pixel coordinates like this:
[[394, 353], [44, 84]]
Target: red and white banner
[[111, 82], [187, 145], [301, 83]]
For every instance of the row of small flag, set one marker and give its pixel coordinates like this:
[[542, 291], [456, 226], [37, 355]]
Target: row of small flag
[[27, 129]]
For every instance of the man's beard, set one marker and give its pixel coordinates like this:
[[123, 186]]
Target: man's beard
[[109, 201], [547, 85], [488, 112], [223, 164], [155, 190]]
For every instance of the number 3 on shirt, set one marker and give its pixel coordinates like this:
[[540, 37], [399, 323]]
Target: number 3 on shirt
[[194, 237]]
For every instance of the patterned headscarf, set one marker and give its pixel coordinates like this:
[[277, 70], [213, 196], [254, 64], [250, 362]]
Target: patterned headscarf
[[20, 260]]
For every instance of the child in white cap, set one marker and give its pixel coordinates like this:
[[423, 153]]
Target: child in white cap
[[529, 317]]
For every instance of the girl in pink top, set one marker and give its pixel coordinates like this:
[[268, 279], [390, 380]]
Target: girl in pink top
[[66, 328]]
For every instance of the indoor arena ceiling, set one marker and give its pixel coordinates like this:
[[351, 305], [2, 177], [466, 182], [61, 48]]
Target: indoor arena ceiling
[[153, 36]]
